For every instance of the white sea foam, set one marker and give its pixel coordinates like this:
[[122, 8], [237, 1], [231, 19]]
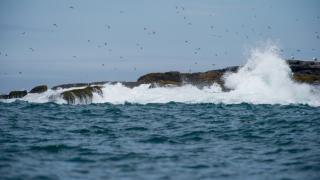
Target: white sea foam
[[264, 79]]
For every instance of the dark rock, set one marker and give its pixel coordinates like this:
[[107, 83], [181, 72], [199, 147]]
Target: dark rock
[[17, 94], [172, 77], [203, 79], [4, 96], [39, 89], [131, 84], [305, 71], [83, 95], [304, 67]]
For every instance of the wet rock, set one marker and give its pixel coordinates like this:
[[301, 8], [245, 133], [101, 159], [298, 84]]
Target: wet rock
[[17, 94], [4, 96], [307, 78], [83, 96], [39, 89]]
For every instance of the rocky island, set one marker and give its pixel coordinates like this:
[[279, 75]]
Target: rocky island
[[302, 71]]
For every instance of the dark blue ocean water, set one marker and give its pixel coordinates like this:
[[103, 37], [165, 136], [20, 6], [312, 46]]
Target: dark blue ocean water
[[159, 141]]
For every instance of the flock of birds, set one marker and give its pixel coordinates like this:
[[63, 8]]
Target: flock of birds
[[179, 10]]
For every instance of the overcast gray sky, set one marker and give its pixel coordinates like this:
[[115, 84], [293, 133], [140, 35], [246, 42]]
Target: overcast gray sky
[[64, 41]]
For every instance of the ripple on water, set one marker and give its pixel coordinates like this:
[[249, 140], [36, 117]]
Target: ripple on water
[[154, 141]]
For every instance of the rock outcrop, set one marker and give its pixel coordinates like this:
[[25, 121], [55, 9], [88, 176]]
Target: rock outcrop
[[302, 71], [83, 95], [305, 71], [39, 89], [74, 85], [175, 78]]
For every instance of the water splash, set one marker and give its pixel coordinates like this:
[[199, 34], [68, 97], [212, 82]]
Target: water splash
[[267, 79]]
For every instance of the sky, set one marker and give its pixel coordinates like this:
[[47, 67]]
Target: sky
[[67, 41]]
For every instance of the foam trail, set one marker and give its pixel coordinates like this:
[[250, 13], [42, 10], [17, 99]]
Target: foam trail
[[264, 79]]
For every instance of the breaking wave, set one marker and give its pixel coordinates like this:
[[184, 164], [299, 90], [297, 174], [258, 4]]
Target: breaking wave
[[264, 79]]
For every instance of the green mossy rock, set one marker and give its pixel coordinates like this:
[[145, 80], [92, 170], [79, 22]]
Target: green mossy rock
[[83, 96], [307, 78], [17, 94]]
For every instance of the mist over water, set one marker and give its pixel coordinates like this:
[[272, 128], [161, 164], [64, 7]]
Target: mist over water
[[264, 79]]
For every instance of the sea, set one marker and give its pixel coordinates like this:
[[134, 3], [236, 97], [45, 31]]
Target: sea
[[267, 126]]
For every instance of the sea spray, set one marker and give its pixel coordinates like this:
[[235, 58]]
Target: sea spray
[[267, 79]]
